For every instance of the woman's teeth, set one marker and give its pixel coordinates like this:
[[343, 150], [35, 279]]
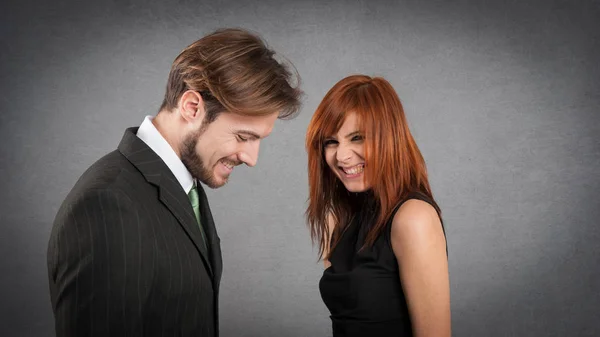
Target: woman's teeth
[[354, 169]]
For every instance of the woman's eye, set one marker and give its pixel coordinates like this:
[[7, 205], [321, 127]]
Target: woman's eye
[[357, 138], [241, 139], [329, 142]]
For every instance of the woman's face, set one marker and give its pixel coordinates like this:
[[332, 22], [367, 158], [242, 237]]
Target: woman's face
[[344, 154]]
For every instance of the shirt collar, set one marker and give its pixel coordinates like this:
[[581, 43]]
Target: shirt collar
[[148, 133]]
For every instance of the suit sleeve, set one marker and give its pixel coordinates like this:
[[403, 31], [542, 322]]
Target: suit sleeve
[[93, 256]]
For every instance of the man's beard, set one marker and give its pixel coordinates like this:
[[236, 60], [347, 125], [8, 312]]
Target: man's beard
[[193, 162]]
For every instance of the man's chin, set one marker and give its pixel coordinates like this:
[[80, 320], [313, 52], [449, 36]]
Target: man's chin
[[215, 186], [215, 183]]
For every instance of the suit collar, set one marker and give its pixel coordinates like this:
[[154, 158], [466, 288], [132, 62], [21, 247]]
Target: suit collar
[[148, 133], [172, 195]]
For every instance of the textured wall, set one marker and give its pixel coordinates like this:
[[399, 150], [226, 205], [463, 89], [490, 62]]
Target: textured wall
[[502, 97]]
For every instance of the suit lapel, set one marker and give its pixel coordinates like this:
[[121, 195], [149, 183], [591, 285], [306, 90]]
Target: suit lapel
[[172, 195], [170, 192], [213, 239]]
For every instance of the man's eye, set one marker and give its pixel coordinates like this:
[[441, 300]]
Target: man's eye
[[241, 139]]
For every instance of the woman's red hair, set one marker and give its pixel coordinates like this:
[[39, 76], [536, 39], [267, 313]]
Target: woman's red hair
[[394, 166]]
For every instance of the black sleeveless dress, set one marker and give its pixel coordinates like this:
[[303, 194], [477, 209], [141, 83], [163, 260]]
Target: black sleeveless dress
[[362, 290]]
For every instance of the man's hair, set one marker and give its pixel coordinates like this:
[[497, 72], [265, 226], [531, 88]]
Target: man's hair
[[235, 72]]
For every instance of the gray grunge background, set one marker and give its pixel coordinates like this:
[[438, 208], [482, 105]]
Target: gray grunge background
[[502, 97]]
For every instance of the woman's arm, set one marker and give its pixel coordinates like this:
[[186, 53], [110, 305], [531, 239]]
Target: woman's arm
[[419, 245]]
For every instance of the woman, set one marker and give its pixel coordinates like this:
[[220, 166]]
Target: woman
[[371, 210]]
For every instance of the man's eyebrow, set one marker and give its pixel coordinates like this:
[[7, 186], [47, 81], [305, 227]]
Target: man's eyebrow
[[252, 134]]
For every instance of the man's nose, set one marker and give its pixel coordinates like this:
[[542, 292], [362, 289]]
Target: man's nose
[[249, 154]]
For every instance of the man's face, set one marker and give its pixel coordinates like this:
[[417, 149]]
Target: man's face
[[211, 152]]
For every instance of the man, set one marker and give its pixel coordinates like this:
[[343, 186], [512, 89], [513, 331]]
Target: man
[[133, 249]]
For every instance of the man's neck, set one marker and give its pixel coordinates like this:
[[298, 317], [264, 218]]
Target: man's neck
[[164, 123]]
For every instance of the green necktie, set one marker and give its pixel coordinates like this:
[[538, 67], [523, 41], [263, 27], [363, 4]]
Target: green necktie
[[194, 199]]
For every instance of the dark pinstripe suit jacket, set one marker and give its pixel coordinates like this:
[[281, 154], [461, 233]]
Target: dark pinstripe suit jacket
[[125, 256]]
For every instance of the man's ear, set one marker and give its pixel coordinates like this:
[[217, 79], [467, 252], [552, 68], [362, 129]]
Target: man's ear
[[191, 106]]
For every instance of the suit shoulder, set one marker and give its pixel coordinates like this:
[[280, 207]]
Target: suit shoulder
[[105, 174], [107, 170]]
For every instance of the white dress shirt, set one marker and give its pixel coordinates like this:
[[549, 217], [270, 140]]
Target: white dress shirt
[[150, 135]]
